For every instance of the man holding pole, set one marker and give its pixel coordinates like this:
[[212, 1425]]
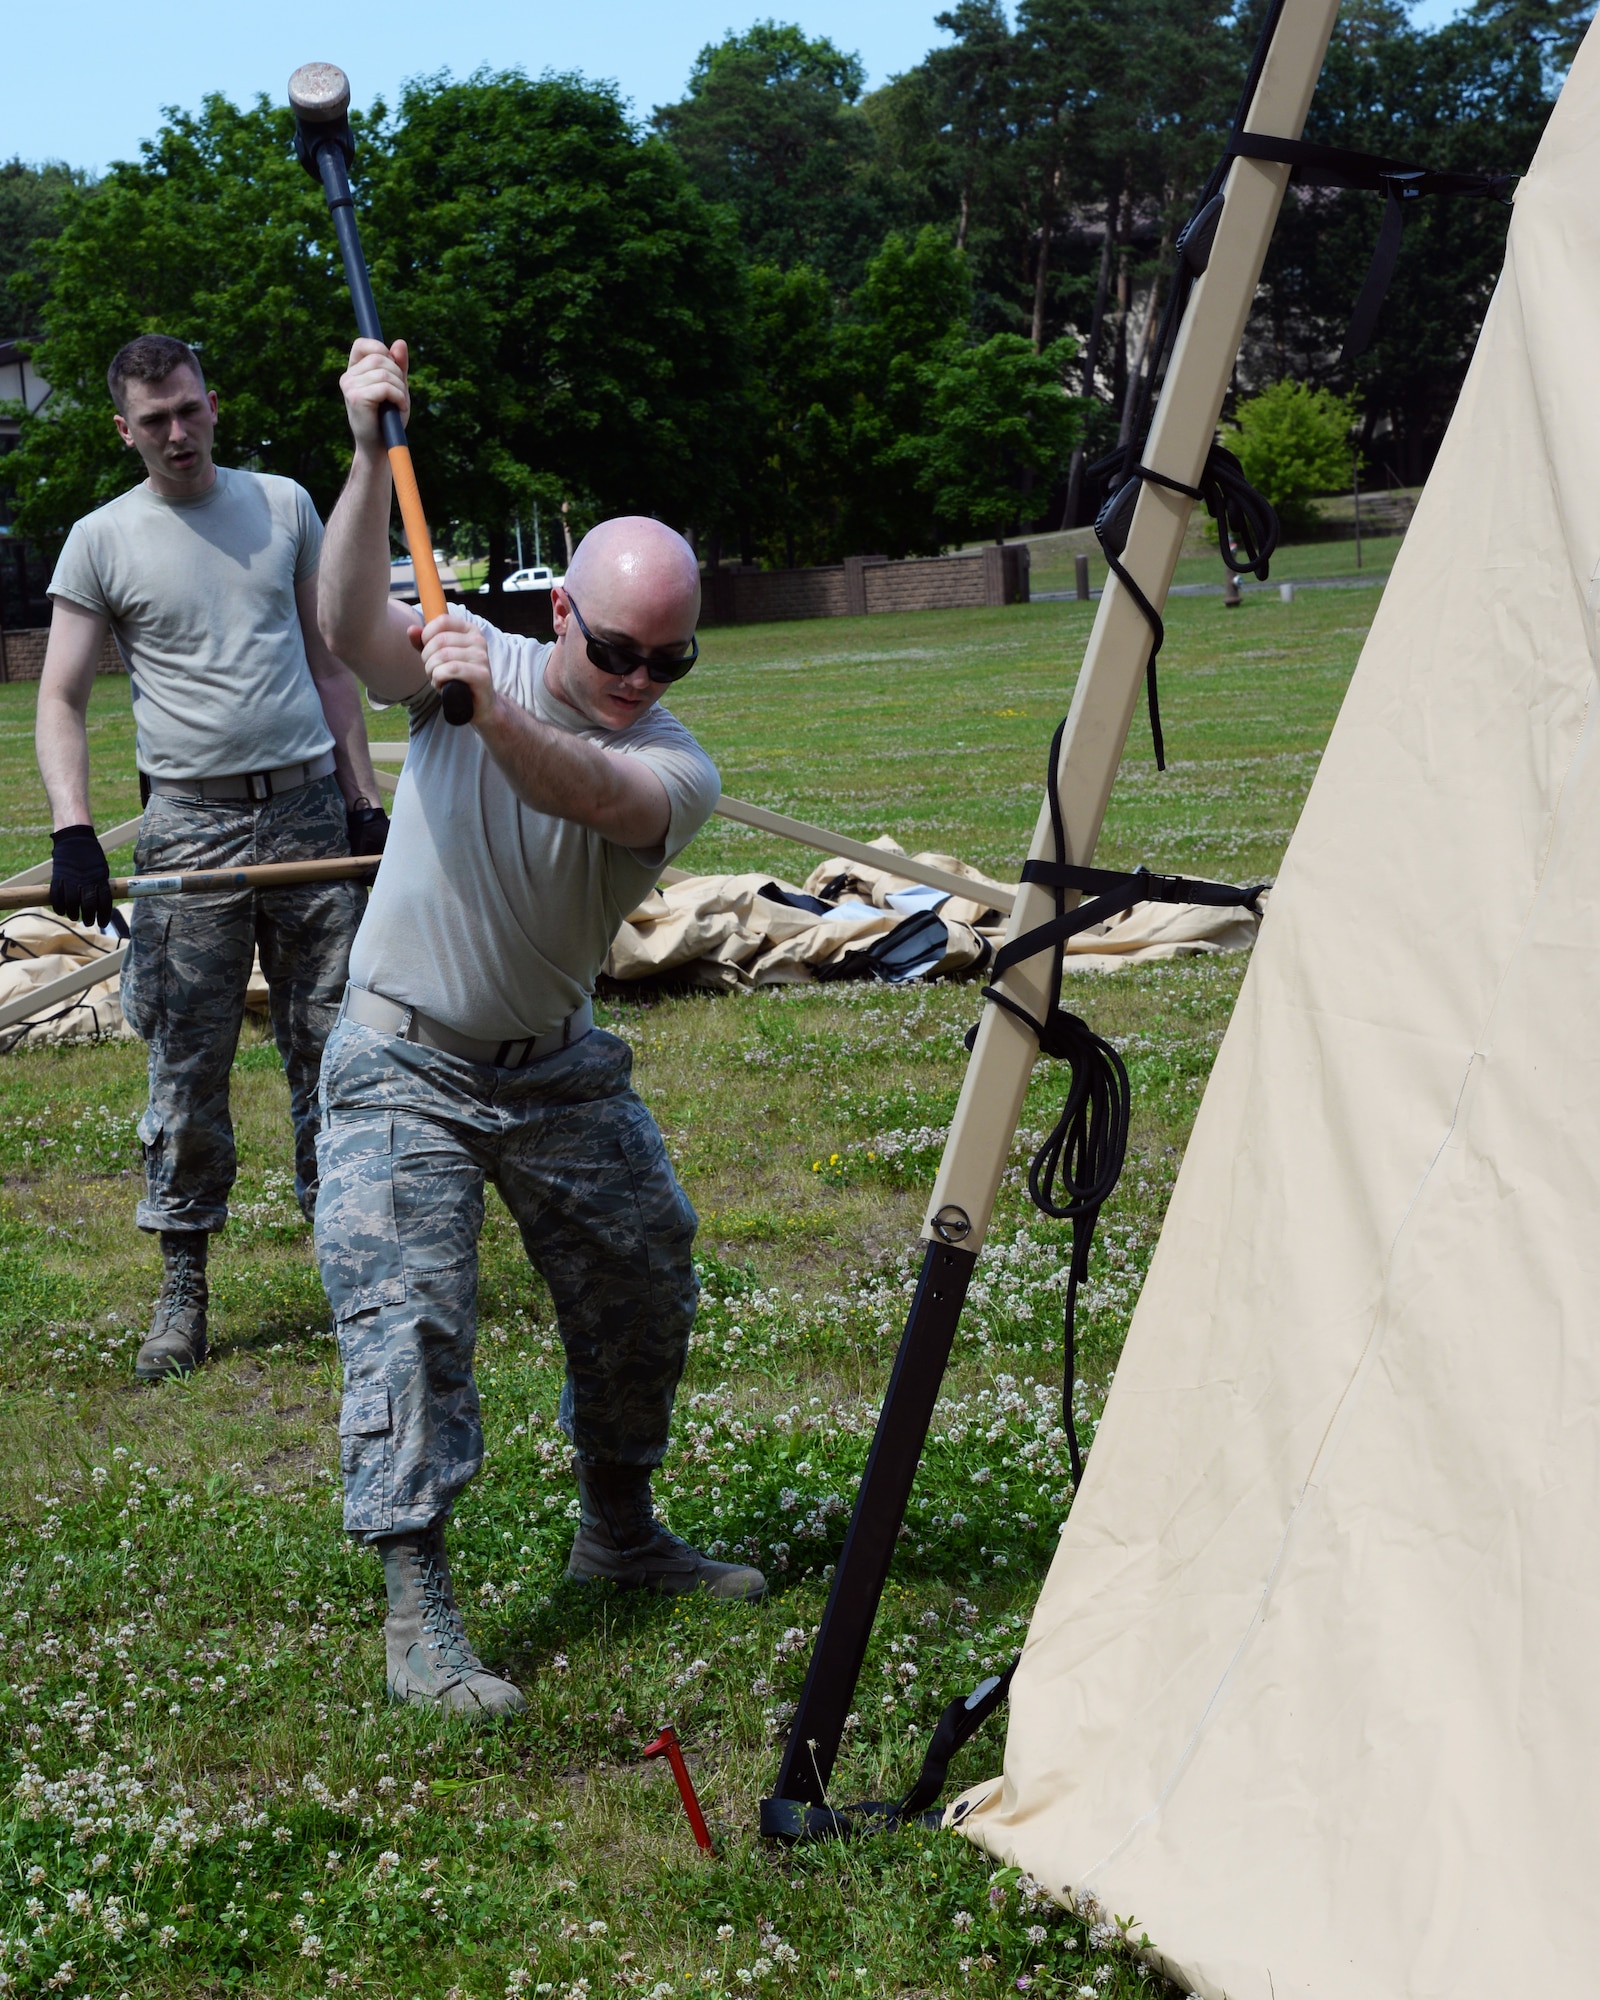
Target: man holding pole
[[252, 748], [466, 1052]]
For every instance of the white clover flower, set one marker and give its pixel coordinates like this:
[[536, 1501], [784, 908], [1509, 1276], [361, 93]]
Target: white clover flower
[[1036, 1933], [724, 1931], [962, 1920], [166, 1937], [311, 1946]]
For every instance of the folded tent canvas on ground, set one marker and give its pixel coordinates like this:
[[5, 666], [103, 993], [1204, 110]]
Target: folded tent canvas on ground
[[1311, 1694]]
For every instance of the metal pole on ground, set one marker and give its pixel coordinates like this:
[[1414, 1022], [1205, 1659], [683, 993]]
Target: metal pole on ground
[[1080, 576], [1103, 702]]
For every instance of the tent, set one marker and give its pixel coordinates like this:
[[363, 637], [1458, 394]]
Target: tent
[[1312, 1692]]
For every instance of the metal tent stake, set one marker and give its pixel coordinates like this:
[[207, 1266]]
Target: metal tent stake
[[996, 1081]]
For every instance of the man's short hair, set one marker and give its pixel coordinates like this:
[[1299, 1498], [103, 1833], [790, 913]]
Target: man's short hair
[[150, 358]]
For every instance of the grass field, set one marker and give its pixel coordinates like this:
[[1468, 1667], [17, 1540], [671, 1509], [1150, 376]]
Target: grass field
[[206, 1793]]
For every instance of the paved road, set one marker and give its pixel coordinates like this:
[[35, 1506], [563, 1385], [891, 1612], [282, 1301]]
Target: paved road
[[1216, 589]]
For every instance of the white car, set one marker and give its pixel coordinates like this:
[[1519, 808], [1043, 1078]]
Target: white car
[[537, 578]]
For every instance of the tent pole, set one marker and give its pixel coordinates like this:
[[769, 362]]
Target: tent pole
[[975, 1154]]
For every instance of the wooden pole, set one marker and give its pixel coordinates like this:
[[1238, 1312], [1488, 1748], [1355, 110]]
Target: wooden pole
[[1103, 701], [993, 896], [218, 881]]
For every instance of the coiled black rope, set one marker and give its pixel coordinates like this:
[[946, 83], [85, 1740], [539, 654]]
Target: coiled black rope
[[1073, 1174]]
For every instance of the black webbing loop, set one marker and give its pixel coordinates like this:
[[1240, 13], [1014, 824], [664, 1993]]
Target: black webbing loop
[[1401, 182], [1247, 535]]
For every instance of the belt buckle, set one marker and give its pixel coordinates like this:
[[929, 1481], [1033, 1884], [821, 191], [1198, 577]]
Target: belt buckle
[[258, 785]]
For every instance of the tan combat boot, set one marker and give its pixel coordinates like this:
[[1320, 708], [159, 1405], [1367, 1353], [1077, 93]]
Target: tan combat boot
[[621, 1541], [427, 1657], [176, 1342]]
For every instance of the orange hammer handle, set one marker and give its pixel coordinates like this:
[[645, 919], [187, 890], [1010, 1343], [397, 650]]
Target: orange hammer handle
[[419, 542]]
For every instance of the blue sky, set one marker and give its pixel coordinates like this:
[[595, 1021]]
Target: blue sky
[[89, 78]]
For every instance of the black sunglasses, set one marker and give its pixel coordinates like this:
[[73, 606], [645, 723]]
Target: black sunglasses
[[620, 660]]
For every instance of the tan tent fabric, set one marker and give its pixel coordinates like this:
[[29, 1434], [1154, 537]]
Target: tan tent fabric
[[720, 931], [726, 933], [1311, 1693], [37, 947]]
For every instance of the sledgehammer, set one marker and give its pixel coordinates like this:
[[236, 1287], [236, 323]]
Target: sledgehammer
[[325, 146]]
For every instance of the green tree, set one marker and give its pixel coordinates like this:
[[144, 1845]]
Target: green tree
[[215, 235], [1473, 94], [913, 306], [576, 307], [798, 421], [30, 214], [1294, 441], [997, 413], [950, 435], [771, 125]]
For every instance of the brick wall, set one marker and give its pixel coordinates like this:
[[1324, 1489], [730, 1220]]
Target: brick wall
[[22, 654], [862, 585]]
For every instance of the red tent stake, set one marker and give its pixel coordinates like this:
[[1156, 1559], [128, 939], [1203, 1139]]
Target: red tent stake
[[666, 1745]]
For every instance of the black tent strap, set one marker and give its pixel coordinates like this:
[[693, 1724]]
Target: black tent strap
[[1247, 535], [792, 1820], [1399, 181], [1344, 167], [1114, 893]]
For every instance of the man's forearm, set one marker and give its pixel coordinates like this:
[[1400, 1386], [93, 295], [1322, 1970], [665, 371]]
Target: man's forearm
[[61, 741], [563, 775], [353, 582], [340, 695]]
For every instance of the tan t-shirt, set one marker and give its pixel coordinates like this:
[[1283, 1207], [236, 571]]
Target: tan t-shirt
[[493, 918], [200, 594]]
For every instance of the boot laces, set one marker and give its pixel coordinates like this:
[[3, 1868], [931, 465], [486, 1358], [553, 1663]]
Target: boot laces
[[441, 1620], [180, 1286]]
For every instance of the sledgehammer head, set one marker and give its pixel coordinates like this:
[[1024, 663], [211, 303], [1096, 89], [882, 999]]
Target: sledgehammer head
[[319, 94]]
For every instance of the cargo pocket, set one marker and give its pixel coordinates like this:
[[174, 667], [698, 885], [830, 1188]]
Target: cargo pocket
[[143, 986], [366, 1458], [358, 1246]]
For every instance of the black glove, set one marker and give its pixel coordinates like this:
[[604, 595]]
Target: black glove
[[80, 876], [368, 828]]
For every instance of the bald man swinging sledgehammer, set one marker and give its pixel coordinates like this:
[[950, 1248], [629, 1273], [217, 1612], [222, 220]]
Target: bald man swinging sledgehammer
[[466, 1051]]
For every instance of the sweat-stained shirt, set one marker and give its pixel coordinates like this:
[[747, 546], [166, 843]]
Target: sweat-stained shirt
[[494, 918], [200, 594]]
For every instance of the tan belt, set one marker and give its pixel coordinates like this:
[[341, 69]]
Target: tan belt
[[256, 786], [388, 1017]]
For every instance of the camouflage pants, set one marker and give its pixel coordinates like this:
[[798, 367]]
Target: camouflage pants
[[183, 987], [409, 1136]]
